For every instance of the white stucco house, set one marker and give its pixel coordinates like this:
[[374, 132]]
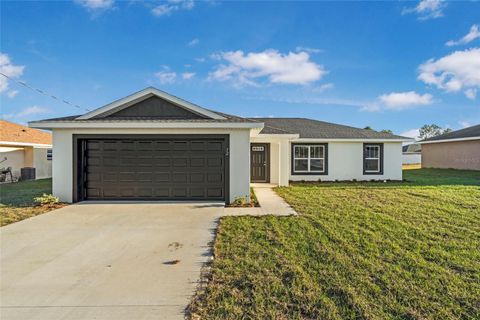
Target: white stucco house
[[151, 145]]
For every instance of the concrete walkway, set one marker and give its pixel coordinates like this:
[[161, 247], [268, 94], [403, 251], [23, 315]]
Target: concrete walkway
[[105, 261], [270, 203]]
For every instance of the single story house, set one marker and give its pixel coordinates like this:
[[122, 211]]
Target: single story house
[[454, 150], [153, 145], [412, 154], [22, 147]]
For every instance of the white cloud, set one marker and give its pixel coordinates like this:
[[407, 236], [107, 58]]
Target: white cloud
[[324, 87], [193, 42], [10, 70], [201, 60], [96, 5], [188, 75], [405, 100], [31, 111], [464, 124], [469, 37], [166, 77], [245, 69], [427, 9], [412, 133], [12, 94], [307, 49], [457, 71], [471, 93], [172, 6]]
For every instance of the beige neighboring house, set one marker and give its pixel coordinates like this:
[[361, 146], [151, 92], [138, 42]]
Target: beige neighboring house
[[25, 147], [454, 150]]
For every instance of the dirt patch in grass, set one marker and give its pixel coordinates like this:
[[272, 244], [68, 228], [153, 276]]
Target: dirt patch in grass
[[10, 214]]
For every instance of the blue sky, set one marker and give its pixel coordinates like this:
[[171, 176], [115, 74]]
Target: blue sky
[[389, 65]]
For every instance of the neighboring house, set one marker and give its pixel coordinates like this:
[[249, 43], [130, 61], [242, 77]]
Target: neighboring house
[[454, 150], [152, 145], [412, 154], [25, 147]]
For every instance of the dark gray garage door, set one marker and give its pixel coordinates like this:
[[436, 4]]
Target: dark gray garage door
[[183, 168]]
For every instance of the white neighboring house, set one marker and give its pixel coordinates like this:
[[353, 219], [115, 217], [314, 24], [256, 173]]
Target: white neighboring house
[[154, 146], [412, 154], [22, 147]]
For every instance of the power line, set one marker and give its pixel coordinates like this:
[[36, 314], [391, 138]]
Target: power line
[[44, 93]]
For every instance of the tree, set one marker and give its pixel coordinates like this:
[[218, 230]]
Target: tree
[[387, 131], [431, 130], [368, 128]]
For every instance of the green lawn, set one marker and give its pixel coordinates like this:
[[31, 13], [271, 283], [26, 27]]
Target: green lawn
[[16, 200], [357, 251]]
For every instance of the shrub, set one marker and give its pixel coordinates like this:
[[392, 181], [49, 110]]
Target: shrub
[[240, 201], [46, 199]]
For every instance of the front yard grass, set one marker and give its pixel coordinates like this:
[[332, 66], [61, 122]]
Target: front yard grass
[[16, 200], [357, 251]]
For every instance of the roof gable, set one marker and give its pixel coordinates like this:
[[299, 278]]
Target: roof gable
[[136, 98], [152, 107]]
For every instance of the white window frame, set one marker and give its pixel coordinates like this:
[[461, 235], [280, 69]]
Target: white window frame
[[375, 158], [309, 158]]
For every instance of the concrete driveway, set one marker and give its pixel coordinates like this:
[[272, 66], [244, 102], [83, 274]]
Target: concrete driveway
[[105, 261]]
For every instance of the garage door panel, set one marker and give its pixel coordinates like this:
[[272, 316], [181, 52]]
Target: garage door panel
[[197, 177], [180, 162], [162, 176], [179, 192], [214, 177], [165, 169], [215, 192], [214, 162], [197, 162]]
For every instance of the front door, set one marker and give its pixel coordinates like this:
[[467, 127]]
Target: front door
[[260, 162]]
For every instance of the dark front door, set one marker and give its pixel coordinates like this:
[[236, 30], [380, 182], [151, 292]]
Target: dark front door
[[260, 162], [170, 168]]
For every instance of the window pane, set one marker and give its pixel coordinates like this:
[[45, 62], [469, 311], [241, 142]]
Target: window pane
[[301, 151], [371, 165], [372, 151], [316, 152], [301, 165], [316, 165]]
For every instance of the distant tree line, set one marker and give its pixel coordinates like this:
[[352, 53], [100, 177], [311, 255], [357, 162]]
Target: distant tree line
[[425, 132]]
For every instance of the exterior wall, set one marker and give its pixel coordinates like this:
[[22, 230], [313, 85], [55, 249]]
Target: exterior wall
[[43, 167], [345, 162], [455, 155], [15, 159], [63, 156], [28, 157], [20, 157], [411, 158]]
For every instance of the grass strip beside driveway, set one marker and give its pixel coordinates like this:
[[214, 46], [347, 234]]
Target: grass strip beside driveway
[[16, 200]]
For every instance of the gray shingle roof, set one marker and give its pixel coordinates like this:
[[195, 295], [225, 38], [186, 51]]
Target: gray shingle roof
[[309, 128], [459, 134], [228, 118], [412, 148]]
